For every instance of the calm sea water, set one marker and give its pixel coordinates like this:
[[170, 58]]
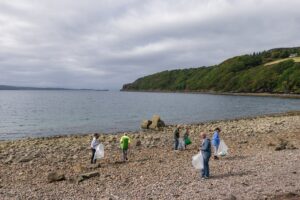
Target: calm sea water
[[46, 113]]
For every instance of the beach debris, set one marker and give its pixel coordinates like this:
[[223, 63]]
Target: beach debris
[[88, 175], [26, 158], [55, 176], [284, 144]]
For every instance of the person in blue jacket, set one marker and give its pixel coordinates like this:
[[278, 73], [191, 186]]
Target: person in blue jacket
[[206, 154], [216, 142]]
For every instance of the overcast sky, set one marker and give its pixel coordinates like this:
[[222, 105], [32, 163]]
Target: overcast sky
[[106, 43]]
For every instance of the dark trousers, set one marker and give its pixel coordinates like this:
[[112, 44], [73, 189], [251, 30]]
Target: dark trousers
[[125, 153], [176, 143], [93, 161], [205, 170]]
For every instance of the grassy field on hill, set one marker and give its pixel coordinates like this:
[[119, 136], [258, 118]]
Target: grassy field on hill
[[296, 59], [242, 74]]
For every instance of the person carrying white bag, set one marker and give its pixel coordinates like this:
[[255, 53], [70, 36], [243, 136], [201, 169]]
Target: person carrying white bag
[[201, 160], [97, 149]]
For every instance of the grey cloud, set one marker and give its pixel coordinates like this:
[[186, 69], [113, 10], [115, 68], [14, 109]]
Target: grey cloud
[[103, 44]]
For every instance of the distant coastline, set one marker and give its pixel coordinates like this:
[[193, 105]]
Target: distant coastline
[[9, 87], [281, 95]]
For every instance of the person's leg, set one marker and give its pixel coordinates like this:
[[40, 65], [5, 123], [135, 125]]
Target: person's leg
[[216, 152], [207, 167], [93, 156], [126, 154], [123, 154], [176, 143], [203, 170]]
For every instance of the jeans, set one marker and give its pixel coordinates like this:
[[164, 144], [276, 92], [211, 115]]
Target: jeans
[[93, 161], [176, 143], [205, 170]]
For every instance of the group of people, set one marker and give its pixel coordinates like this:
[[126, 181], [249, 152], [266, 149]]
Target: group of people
[[186, 139], [124, 146], [205, 147]]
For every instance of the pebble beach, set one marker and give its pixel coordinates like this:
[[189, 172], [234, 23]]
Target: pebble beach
[[263, 163]]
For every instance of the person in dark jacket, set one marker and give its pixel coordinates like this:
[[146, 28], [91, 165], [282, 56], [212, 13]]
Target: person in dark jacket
[[176, 137], [206, 153]]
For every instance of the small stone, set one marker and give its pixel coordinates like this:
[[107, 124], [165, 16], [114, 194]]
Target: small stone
[[26, 158], [138, 143], [231, 197], [55, 176], [9, 160]]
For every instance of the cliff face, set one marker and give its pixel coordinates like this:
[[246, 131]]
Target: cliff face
[[273, 71]]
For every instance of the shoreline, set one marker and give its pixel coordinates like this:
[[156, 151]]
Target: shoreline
[[288, 113], [279, 95], [154, 170]]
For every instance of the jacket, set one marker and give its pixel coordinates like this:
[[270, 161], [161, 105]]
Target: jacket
[[206, 148], [216, 139]]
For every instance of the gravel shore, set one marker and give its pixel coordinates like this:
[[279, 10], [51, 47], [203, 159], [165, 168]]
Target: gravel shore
[[263, 163]]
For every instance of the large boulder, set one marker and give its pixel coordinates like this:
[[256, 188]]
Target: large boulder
[[145, 124], [156, 122]]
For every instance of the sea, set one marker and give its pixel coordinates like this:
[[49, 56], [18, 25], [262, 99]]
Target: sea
[[40, 113]]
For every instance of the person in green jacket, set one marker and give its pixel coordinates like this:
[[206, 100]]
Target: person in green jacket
[[124, 145]]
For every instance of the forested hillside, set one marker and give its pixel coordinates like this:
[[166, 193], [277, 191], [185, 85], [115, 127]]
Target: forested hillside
[[258, 72]]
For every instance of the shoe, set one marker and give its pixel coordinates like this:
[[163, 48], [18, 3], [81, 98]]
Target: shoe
[[205, 177]]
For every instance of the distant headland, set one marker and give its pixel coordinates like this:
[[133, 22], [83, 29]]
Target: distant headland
[[9, 87]]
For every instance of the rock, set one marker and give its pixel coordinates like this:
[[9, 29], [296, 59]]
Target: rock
[[86, 176], [94, 166], [55, 176], [156, 122], [26, 158], [145, 124], [231, 197], [138, 143], [282, 145], [9, 160], [290, 146]]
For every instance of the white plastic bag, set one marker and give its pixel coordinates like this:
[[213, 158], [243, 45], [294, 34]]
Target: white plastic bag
[[181, 145], [197, 161], [223, 149], [99, 151]]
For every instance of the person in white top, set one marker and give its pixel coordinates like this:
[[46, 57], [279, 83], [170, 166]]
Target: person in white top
[[94, 144]]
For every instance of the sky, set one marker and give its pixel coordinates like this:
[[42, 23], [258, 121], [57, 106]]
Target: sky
[[103, 44]]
